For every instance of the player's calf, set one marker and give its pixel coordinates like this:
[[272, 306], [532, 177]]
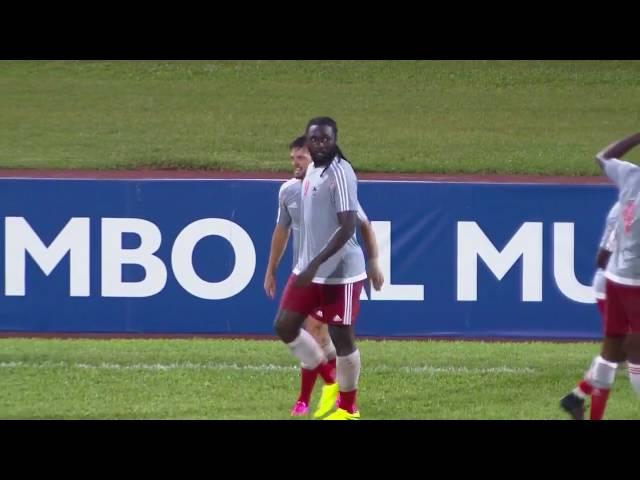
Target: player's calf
[[348, 366], [601, 377], [596, 383], [632, 347]]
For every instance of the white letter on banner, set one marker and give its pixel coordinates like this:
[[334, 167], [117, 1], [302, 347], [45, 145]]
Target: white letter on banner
[[526, 243], [245, 263], [20, 238], [563, 265], [388, 290], [114, 256]]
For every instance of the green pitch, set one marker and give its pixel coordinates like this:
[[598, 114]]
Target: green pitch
[[238, 379], [510, 117]]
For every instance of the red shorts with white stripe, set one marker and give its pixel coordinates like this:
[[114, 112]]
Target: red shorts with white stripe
[[339, 304], [622, 310]]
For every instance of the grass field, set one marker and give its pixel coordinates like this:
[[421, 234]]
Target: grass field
[[394, 116], [245, 379], [538, 117]]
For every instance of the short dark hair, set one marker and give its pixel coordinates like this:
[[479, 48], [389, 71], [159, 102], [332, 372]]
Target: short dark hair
[[299, 142]]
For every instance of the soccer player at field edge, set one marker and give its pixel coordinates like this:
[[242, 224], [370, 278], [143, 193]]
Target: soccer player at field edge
[[622, 277], [574, 402], [288, 220], [330, 272]]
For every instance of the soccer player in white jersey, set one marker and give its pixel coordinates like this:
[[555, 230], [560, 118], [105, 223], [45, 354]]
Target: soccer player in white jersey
[[289, 200], [622, 308], [331, 270], [574, 402], [607, 244]]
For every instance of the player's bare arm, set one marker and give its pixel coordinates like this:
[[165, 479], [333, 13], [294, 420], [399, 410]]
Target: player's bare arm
[[348, 221], [602, 258], [371, 245], [279, 241], [617, 149]]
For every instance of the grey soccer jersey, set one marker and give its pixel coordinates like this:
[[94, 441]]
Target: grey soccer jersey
[[624, 266], [325, 193], [607, 242], [289, 212]]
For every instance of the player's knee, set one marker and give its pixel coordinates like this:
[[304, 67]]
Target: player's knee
[[285, 327], [343, 340], [315, 331], [632, 348], [345, 349], [323, 337], [285, 332], [613, 349], [280, 327]]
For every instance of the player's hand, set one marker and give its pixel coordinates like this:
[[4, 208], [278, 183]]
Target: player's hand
[[270, 285], [375, 275], [306, 276]]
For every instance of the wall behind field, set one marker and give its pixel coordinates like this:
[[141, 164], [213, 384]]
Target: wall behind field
[[188, 257]]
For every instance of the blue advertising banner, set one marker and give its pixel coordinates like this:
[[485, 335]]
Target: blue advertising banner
[[189, 256]]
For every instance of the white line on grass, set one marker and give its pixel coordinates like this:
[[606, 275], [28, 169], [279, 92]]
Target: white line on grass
[[418, 369]]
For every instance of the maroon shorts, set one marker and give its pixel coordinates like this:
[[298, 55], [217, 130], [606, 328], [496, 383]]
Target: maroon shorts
[[622, 309], [338, 304]]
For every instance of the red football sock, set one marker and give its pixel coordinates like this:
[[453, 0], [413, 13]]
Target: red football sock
[[347, 401], [599, 397], [328, 371], [307, 381]]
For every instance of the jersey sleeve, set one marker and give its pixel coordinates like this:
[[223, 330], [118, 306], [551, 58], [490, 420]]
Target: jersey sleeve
[[284, 217], [618, 170], [344, 188], [608, 237]]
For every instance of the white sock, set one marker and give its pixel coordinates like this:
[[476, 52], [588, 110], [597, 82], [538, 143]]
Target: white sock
[[634, 376], [602, 373], [307, 350], [348, 371], [578, 391]]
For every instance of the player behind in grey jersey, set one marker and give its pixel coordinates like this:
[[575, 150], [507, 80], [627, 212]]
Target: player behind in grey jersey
[[574, 402], [622, 308], [288, 220], [330, 271]]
